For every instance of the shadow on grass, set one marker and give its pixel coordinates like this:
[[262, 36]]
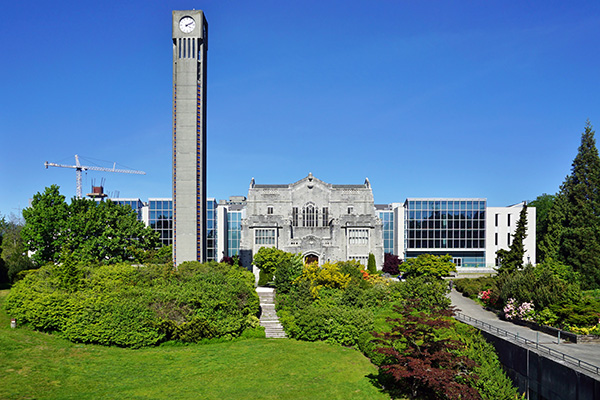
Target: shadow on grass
[[385, 384]]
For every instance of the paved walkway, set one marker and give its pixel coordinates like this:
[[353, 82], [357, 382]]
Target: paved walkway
[[588, 352]]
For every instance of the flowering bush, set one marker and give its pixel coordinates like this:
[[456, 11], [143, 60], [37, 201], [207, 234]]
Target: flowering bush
[[594, 330], [522, 312], [488, 297]]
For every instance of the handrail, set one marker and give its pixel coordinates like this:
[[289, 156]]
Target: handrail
[[530, 343]]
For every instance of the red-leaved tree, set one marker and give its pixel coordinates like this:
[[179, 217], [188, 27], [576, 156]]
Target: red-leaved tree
[[391, 263], [420, 362]]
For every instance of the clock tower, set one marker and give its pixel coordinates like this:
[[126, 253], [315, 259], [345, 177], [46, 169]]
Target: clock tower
[[190, 41]]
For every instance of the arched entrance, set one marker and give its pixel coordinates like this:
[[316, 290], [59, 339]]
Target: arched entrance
[[311, 258]]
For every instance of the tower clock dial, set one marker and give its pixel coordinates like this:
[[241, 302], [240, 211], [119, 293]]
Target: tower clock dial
[[187, 24]]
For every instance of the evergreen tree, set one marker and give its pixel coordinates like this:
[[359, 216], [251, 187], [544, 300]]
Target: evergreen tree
[[512, 260], [371, 265], [575, 217], [543, 204]]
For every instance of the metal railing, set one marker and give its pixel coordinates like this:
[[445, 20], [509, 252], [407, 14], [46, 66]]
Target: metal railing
[[529, 343]]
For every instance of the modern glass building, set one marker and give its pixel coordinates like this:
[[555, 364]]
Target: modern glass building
[[234, 232], [160, 218], [211, 230], [446, 226], [135, 204], [386, 215], [467, 229]]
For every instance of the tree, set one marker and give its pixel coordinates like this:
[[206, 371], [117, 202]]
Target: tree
[[512, 260], [13, 255], [371, 265], [391, 263], [543, 204], [428, 265], [93, 231], [422, 363], [267, 259], [573, 232], [106, 232], [45, 224]]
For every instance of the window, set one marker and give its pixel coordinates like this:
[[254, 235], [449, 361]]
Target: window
[[497, 215], [457, 261], [358, 236], [309, 215], [508, 239], [350, 210], [364, 260], [508, 219], [295, 216], [270, 210], [496, 239], [264, 236], [325, 214]]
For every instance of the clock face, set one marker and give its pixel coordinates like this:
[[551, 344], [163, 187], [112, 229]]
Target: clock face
[[187, 24]]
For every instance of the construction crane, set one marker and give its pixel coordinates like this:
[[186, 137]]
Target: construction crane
[[79, 168]]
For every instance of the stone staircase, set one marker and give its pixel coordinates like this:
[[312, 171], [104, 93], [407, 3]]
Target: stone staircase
[[268, 316]]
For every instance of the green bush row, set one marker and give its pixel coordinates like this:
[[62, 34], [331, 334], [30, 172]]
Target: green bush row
[[135, 306], [471, 287]]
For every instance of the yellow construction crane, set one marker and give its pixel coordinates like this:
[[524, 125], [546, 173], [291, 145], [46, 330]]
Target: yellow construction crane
[[79, 168]]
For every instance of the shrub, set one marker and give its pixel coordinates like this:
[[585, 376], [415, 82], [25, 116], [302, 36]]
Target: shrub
[[432, 292], [371, 265], [334, 324], [428, 265], [132, 306], [287, 272], [515, 311], [391, 263], [471, 287], [419, 361], [329, 275]]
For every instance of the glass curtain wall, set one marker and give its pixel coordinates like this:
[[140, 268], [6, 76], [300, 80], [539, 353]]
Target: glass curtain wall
[[447, 226]]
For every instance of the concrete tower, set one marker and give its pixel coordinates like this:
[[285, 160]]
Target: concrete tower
[[190, 42]]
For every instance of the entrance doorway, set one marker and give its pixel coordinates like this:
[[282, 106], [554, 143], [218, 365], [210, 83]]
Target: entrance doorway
[[311, 258]]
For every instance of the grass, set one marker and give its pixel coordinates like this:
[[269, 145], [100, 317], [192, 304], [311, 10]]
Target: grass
[[40, 366]]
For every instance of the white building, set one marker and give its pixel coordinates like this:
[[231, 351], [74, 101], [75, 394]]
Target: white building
[[322, 221]]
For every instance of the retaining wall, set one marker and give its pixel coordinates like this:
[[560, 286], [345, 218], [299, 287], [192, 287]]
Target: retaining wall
[[543, 378]]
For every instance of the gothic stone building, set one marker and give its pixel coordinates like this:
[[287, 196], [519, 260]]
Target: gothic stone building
[[323, 222]]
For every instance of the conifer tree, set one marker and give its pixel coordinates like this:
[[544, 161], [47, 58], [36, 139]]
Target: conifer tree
[[512, 259], [577, 213], [371, 265], [543, 204]]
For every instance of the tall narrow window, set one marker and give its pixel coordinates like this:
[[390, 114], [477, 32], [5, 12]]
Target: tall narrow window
[[496, 239], [350, 210], [508, 238], [295, 216], [309, 216], [497, 219], [270, 210], [325, 216], [508, 219]]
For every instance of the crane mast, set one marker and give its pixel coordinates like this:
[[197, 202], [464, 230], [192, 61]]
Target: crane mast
[[80, 168]]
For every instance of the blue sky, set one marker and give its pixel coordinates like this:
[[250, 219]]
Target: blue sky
[[426, 99]]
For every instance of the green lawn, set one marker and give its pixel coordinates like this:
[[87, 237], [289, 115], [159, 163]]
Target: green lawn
[[39, 366]]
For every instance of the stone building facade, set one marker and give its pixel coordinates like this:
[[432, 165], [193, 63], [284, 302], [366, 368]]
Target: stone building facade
[[322, 221]]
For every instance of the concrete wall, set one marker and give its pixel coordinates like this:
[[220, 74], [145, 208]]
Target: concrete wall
[[541, 377]]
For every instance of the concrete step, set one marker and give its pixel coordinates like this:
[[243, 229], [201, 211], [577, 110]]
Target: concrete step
[[268, 317]]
